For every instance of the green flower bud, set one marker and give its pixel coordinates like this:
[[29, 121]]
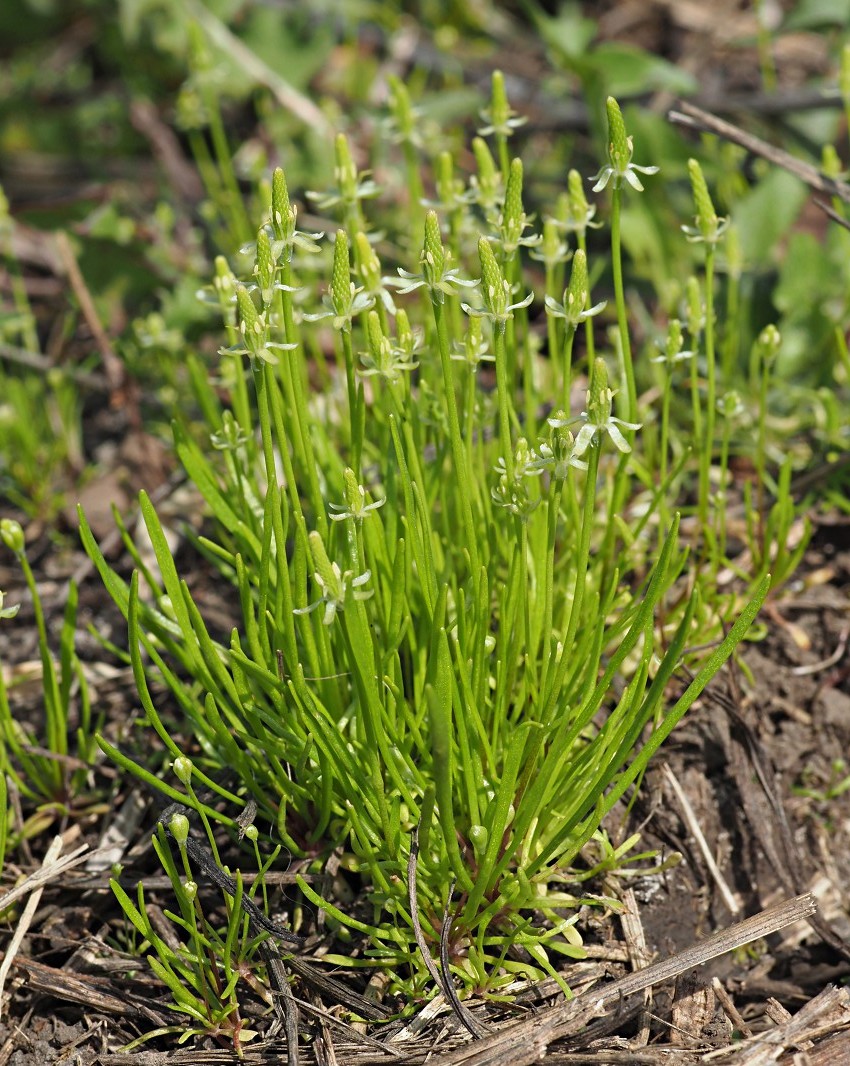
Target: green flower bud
[[768, 343], [500, 110], [283, 214], [405, 337], [479, 836], [494, 288], [12, 535], [345, 171], [473, 339], [379, 346], [199, 55], [487, 180], [513, 217], [674, 339], [330, 578], [575, 298], [182, 768], [264, 267], [620, 168], [191, 890], [401, 108], [433, 254], [696, 315], [250, 324], [179, 828], [599, 396], [707, 221], [368, 263], [251, 833], [341, 275], [224, 282], [579, 211], [444, 179], [552, 250], [619, 144], [730, 405]]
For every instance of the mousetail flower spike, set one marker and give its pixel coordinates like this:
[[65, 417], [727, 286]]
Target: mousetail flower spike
[[620, 149]]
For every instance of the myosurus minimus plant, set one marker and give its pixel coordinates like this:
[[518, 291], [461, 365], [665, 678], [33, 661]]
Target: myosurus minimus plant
[[463, 597]]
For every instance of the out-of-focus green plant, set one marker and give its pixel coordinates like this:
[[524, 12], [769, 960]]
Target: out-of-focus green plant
[[51, 768]]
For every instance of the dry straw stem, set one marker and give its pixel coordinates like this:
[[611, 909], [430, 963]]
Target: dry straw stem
[[828, 1013], [286, 95], [50, 869], [525, 1043], [692, 822]]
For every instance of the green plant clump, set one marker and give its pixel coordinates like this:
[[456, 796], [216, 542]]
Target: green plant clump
[[462, 599]]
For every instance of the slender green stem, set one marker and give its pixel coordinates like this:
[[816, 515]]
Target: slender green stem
[[556, 492], [503, 398], [622, 318], [414, 186], [724, 472], [518, 328], [664, 516], [552, 326], [569, 338], [354, 420], [458, 453], [264, 382], [588, 322], [707, 442], [761, 450], [582, 557], [732, 328], [504, 156], [293, 373]]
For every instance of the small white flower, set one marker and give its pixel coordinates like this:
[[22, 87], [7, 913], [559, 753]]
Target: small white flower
[[336, 590]]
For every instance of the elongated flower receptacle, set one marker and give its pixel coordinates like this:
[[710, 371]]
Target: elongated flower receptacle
[[598, 418], [620, 167]]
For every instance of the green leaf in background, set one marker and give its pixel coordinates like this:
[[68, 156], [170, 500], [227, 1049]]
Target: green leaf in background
[[766, 212], [816, 14], [629, 71]]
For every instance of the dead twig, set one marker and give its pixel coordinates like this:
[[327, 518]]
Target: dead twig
[[729, 1008], [48, 871], [286, 95], [695, 118], [639, 956], [35, 885], [442, 981], [413, 901], [112, 365], [827, 1013], [692, 822], [40, 363], [468, 1019]]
